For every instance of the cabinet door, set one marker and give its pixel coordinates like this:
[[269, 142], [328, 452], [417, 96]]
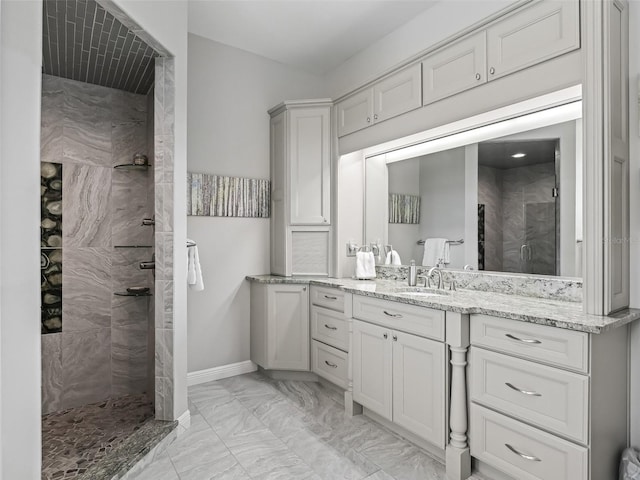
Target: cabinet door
[[372, 352], [419, 386], [455, 68], [398, 94], [355, 112], [532, 35], [310, 166], [288, 327]]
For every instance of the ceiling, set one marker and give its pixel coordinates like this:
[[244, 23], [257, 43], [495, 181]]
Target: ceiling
[[83, 42], [498, 154], [312, 35]]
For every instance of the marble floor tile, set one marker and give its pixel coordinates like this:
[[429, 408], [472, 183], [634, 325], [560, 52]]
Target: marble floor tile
[[253, 427], [160, 469]]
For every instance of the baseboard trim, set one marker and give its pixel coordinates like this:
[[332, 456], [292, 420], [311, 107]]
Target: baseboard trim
[[218, 373], [184, 420]]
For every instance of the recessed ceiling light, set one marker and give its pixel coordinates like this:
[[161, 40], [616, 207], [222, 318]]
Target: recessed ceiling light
[[519, 155]]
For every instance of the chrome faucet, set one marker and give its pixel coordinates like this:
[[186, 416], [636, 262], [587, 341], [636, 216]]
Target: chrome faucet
[[433, 270]]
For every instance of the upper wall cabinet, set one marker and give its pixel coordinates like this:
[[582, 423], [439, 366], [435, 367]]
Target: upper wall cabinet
[[529, 36], [300, 187], [390, 97], [455, 68], [532, 35]]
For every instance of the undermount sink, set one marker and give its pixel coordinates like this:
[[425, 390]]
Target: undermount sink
[[420, 292]]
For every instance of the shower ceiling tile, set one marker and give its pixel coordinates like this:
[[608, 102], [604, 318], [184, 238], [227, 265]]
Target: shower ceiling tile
[[83, 42]]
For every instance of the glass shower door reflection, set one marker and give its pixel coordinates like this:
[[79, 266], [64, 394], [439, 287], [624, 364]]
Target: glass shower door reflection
[[538, 252]]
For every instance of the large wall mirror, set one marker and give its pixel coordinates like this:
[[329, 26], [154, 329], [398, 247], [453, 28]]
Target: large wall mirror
[[506, 197]]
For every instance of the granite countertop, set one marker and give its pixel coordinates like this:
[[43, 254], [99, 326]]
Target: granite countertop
[[556, 313]]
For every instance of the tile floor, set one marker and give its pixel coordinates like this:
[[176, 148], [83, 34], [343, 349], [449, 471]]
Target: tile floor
[[252, 427], [74, 440]]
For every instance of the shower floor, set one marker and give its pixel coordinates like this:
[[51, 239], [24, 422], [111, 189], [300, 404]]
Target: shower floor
[[74, 440]]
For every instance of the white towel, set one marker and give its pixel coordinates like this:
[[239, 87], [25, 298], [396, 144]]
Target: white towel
[[365, 265], [436, 251], [194, 271], [393, 258]]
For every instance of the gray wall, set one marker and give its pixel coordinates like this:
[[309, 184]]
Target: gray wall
[[442, 209], [404, 177], [230, 92], [102, 350]]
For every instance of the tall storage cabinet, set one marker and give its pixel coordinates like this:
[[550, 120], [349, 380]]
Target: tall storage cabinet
[[301, 187]]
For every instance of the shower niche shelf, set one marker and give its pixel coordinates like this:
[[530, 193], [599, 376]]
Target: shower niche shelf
[[133, 294], [132, 166]]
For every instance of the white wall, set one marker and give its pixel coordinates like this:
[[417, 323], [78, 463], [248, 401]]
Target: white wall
[[20, 59], [425, 30], [230, 91], [442, 208], [404, 178]]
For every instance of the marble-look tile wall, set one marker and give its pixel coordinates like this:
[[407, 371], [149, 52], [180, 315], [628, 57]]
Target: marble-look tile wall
[[102, 349], [163, 169], [490, 195], [523, 223]]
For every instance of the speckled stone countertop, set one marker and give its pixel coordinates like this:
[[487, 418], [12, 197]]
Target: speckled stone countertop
[[556, 313]]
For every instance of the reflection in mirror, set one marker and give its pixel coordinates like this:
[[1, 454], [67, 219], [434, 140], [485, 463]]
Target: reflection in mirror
[[514, 201]]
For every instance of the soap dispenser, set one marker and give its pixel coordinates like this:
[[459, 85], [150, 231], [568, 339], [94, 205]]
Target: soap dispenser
[[412, 278]]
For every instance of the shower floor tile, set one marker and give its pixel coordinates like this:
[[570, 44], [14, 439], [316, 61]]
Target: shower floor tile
[[75, 439]]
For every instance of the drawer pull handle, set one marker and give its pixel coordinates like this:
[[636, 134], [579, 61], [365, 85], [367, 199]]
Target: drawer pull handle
[[525, 392], [332, 365], [329, 297], [523, 455], [523, 340], [330, 327], [394, 315]]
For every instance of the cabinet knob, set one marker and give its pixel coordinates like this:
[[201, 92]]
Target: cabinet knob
[[368, 119], [324, 220], [375, 117], [478, 76], [304, 289], [395, 338], [385, 335], [492, 70]]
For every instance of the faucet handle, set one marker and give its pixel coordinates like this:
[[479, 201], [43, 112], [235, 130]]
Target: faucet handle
[[452, 285], [426, 280]]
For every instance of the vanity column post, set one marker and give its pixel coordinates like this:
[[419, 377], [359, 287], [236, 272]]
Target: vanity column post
[[351, 408], [458, 457]]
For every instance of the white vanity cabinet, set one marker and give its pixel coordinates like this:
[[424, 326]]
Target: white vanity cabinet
[[280, 326], [531, 35], [300, 187], [547, 403], [330, 311], [394, 95], [398, 375]]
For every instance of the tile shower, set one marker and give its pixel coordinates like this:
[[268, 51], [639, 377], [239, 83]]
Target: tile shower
[[96, 344]]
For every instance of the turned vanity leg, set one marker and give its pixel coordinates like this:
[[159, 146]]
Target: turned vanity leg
[[458, 458]]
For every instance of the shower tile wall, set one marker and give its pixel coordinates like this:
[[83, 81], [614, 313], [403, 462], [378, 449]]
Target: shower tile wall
[[163, 170], [523, 187], [102, 349], [490, 194]]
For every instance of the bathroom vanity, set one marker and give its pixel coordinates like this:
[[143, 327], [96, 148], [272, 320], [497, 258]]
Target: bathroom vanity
[[530, 387]]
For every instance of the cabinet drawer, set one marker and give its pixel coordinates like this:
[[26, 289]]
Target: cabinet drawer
[[524, 452], [545, 396], [551, 345], [422, 321], [328, 298], [329, 363], [329, 327]]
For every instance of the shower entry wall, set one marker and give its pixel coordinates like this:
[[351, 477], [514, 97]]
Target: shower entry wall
[[100, 341]]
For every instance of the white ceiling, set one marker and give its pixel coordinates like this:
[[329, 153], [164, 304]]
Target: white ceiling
[[313, 35]]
